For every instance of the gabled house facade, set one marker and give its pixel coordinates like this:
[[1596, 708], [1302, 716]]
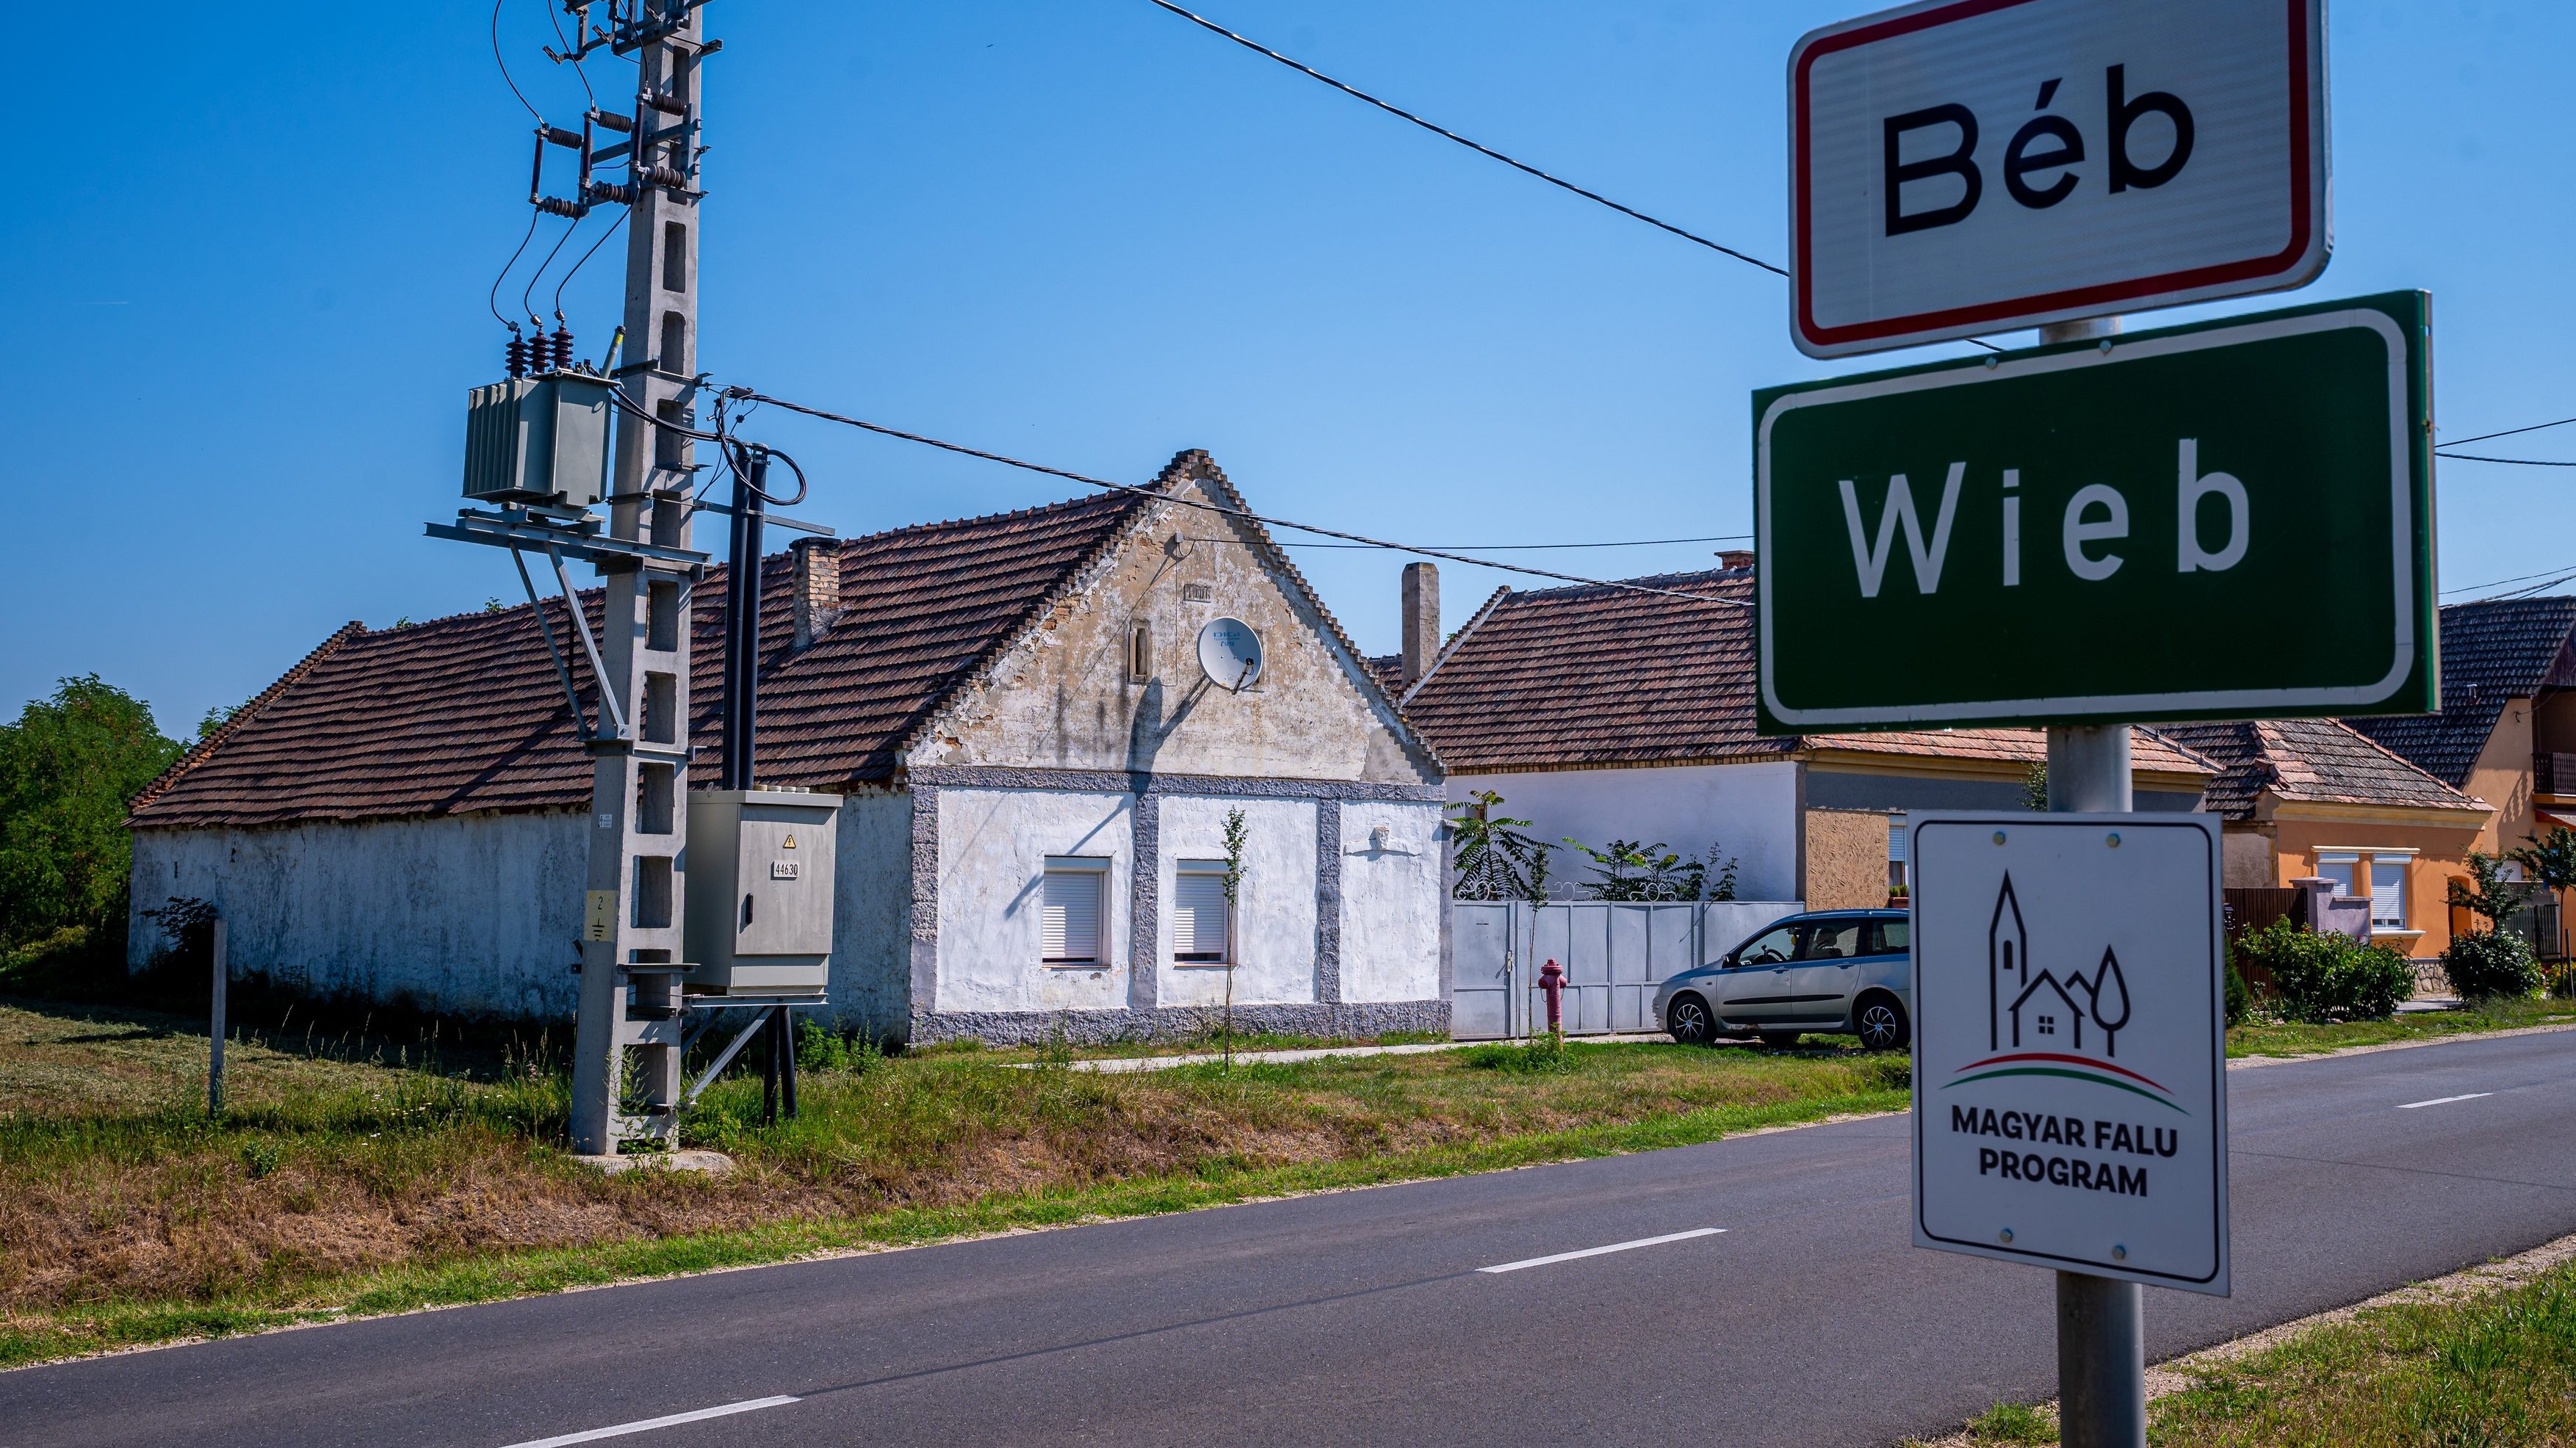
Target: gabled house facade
[[1037, 775], [1605, 712], [2305, 799]]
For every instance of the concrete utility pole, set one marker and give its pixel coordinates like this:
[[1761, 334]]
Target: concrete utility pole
[[2101, 1323], [631, 952]]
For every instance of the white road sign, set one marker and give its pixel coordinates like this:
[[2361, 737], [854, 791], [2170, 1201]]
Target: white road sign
[[1967, 166], [2070, 1103]]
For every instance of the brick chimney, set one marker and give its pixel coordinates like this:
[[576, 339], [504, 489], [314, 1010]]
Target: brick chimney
[[1421, 618], [1735, 558], [815, 587]]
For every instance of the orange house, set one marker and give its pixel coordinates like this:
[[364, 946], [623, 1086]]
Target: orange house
[[2506, 731], [2312, 798]]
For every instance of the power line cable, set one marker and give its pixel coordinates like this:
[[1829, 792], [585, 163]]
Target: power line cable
[[589, 96], [2508, 432], [1360, 539], [494, 299], [1529, 547], [2498, 582], [505, 66], [1482, 149], [587, 255], [526, 302], [2518, 462]]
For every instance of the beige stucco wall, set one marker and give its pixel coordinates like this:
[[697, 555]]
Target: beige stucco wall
[[1846, 859], [1063, 700], [2502, 777]]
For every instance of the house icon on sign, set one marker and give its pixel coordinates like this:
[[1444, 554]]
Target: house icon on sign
[[2045, 1014], [2044, 1009]]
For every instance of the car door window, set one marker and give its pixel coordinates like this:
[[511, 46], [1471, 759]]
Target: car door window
[[1771, 947], [1833, 940], [1889, 937]]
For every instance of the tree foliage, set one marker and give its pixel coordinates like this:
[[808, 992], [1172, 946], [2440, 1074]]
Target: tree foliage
[[67, 769], [1630, 870], [1492, 858], [2486, 893], [2550, 861]]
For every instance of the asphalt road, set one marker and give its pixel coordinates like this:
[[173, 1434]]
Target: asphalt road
[[1363, 1318]]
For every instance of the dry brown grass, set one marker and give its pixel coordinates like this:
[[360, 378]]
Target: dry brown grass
[[115, 1189]]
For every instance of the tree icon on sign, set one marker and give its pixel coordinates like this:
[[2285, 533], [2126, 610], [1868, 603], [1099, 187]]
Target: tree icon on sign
[[2110, 1002]]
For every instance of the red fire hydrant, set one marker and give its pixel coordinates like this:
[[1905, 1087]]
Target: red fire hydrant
[[1551, 982]]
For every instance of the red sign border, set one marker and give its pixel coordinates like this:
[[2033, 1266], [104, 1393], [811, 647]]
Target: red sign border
[[2286, 261]]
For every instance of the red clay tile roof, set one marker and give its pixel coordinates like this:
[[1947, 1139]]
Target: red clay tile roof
[[2313, 760], [2492, 651], [466, 714], [1598, 676]]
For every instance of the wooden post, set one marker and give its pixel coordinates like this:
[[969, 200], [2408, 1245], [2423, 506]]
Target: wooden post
[[215, 1031]]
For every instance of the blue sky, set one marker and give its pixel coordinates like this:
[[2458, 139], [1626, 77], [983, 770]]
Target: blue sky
[[250, 250]]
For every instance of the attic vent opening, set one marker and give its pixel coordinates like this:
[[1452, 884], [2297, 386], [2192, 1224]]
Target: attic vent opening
[[1140, 652], [1197, 593]]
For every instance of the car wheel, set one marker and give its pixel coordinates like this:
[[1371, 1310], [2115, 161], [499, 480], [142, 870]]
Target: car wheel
[[1686, 1018], [1881, 1023], [1780, 1040]]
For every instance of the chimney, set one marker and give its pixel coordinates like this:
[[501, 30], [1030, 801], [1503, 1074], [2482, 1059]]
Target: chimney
[[1735, 558], [1421, 618], [816, 572]]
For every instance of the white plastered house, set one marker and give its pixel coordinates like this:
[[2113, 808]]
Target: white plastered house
[[1038, 776]]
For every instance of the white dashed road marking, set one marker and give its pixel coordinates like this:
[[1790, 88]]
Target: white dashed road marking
[[2444, 1100], [1597, 1251], [646, 1425]]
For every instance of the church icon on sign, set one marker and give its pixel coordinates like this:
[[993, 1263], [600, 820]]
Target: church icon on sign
[[2050, 1009]]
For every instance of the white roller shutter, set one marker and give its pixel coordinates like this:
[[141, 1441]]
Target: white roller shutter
[[1069, 917], [2388, 893], [1198, 915]]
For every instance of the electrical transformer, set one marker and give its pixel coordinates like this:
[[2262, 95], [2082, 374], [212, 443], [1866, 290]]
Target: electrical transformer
[[759, 919], [541, 440]]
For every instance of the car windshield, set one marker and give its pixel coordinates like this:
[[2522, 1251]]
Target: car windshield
[[1771, 947]]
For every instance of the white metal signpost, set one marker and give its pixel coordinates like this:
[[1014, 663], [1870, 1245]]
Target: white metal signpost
[[1968, 166], [1959, 167], [2070, 1105]]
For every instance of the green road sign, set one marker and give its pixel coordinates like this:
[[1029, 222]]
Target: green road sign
[[2004, 541]]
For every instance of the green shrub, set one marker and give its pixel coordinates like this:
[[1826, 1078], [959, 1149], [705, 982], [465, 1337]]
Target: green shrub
[[2321, 977], [2490, 964], [2240, 997]]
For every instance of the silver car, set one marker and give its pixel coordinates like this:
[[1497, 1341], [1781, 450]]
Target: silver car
[[1842, 972]]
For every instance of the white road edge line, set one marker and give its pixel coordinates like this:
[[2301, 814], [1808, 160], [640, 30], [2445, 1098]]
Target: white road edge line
[[2444, 1100], [646, 1425], [1597, 1251]]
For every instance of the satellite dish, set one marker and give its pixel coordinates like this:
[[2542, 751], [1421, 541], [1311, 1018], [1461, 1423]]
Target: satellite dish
[[1230, 653]]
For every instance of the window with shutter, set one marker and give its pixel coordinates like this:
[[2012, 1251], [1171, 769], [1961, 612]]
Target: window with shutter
[[2388, 894], [1069, 916], [1199, 914]]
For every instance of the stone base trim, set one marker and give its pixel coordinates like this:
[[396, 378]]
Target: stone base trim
[[1168, 1023]]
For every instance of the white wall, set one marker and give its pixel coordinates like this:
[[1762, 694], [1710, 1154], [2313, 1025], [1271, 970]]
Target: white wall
[[1748, 810], [872, 913], [993, 847], [1274, 913], [476, 914], [1391, 903]]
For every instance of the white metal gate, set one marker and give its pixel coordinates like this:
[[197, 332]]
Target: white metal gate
[[1613, 955]]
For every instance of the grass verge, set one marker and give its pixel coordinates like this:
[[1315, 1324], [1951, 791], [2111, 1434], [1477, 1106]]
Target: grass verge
[[354, 1186], [2484, 1358], [2291, 1038]]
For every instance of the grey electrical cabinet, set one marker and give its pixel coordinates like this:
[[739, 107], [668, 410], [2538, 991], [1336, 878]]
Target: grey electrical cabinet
[[759, 919], [540, 440]]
